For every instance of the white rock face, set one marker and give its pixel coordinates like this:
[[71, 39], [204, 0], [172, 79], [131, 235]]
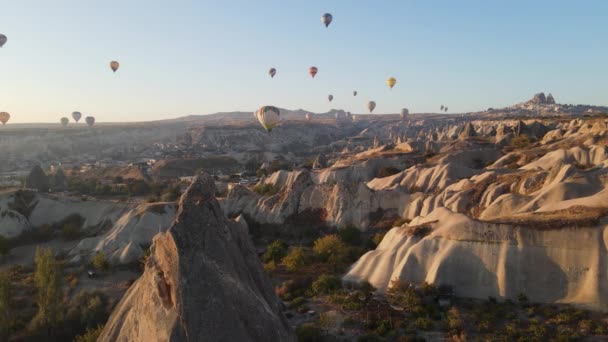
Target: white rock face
[[12, 223], [125, 242], [482, 259], [125, 229]]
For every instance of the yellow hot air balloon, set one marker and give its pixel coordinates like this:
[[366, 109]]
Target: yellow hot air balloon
[[4, 117], [391, 81], [114, 65], [269, 117]]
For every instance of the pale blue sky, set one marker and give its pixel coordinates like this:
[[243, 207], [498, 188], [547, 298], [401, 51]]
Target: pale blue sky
[[197, 57]]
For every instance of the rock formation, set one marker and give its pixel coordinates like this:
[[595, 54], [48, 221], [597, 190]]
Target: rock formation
[[202, 281]]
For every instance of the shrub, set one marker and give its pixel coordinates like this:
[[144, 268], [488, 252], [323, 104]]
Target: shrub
[[378, 238], [350, 235], [275, 251], [455, 322], [521, 141], [423, 323], [87, 310], [326, 284], [270, 266], [296, 259], [330, 248], [366, 287], [99, 262], [90, 335], [267, 189]]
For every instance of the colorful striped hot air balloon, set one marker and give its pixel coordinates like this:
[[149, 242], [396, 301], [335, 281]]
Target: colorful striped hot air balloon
[[313, 71]]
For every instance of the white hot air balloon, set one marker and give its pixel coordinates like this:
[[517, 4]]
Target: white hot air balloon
[[371, 105]]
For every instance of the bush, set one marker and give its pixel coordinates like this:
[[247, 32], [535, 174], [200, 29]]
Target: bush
[[85, 313], [267, 189], [350, 235], [521, 141], [378, 238], [90, 335], [296, 259], [423, 323], [275, 251], [330, 248], [99, 262], [326, 284]]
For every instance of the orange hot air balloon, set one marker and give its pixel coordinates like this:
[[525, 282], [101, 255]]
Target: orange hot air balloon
[[4, 117], [313, 71], [114, 65]]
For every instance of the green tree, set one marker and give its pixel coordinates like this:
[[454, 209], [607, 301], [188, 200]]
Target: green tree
[[330, 248], [5, 306], [275, 251], [47, 278], [4, 246], [37, 179], [296, 259], [326, 284]]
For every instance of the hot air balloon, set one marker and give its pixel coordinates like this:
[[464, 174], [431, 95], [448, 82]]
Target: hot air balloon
[[4, 117], [64, 121], [269, 117], [404, 113], [326, 19], [446, 109], [337, 115], [76, 116], [272, 72], [308, 116], [355, 93], [313, 71], [114, 65], [90, 120], [2, 40], [441, 107], [391, 81], [330, 97], [371, 105]]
